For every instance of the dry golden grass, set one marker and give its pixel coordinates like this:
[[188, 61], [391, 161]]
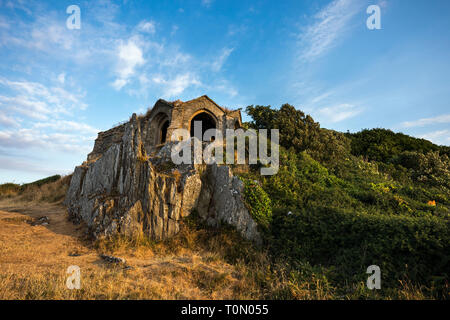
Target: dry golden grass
[[34, 259], [53, 192], [199, 263]]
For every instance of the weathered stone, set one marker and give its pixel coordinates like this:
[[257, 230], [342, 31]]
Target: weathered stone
[[170, 115], [41, 221], [226, 202], [122, 189], [112, 259]]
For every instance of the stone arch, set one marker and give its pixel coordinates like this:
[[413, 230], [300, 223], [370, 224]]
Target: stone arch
[[163, 131], [158, 127], [237, 125], [208, 119]]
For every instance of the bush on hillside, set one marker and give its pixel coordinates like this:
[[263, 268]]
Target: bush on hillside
[[403, 247], [258, 203]]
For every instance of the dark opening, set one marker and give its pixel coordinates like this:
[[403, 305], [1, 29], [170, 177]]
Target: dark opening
[[164, 128], [207, 123]]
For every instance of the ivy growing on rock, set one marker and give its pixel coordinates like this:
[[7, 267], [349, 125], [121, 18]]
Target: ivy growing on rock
[[258, 202]]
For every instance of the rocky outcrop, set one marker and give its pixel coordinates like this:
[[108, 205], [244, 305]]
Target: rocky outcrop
[[126, 192], [221, 202]]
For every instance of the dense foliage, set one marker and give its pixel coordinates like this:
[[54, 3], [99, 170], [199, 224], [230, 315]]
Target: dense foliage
[[258, 202], [300, 131], [347, 201], [385, 146]]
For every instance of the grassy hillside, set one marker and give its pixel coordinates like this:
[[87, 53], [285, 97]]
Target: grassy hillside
[[51, 189], [339, 203], [343, 202]]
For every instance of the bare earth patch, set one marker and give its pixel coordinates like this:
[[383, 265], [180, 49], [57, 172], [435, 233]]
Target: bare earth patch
[[34, 260]]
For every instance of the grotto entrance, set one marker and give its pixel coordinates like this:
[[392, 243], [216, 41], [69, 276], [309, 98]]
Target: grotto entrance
[[163, 131], [206, 120]]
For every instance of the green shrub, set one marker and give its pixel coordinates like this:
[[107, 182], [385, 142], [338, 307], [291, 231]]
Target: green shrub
[[413, 248], [258, 202], [39, 183]]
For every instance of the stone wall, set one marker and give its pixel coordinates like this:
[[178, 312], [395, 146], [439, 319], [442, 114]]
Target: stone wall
[[178, 113], [106, 139], [125, 191]]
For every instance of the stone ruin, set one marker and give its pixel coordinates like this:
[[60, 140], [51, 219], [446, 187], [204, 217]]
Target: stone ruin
[[130, 186]]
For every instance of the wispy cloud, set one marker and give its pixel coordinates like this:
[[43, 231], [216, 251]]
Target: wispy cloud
[[339, 112], [42, 101], [34, 138], [236, 29], [175, 86], [37, 100], [218, 63], [444, 118], [147, 26], [441, 137], [207, 3], [62, 78], [24, 102], [67, 126], [7, 121], [329, 26]]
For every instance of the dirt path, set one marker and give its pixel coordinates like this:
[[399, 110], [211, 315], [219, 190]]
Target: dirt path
[[34, 260], [25, 248]]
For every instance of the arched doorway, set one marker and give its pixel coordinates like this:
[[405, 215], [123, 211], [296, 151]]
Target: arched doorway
[[163, 131], [159, 125], [207, 120]]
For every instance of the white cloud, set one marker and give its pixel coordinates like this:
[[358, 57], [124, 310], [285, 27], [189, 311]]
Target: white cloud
[[147, 26], [27, 107], [35, 138], [18, 4], [219, 62], [119, 84], [174, 60], [444, 118], [36, 100], [67, 126], [40, 118], [207, 3], [441, 137], [339, 112], [130, 56], [175, 86], [8, 121], [52, 34], [62, 78], [331, 24]]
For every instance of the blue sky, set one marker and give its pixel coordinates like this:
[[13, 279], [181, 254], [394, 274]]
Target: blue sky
[[59, 87]]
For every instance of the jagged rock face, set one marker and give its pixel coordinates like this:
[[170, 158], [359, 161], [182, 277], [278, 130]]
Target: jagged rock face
[[221, 201], [123, 192]]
